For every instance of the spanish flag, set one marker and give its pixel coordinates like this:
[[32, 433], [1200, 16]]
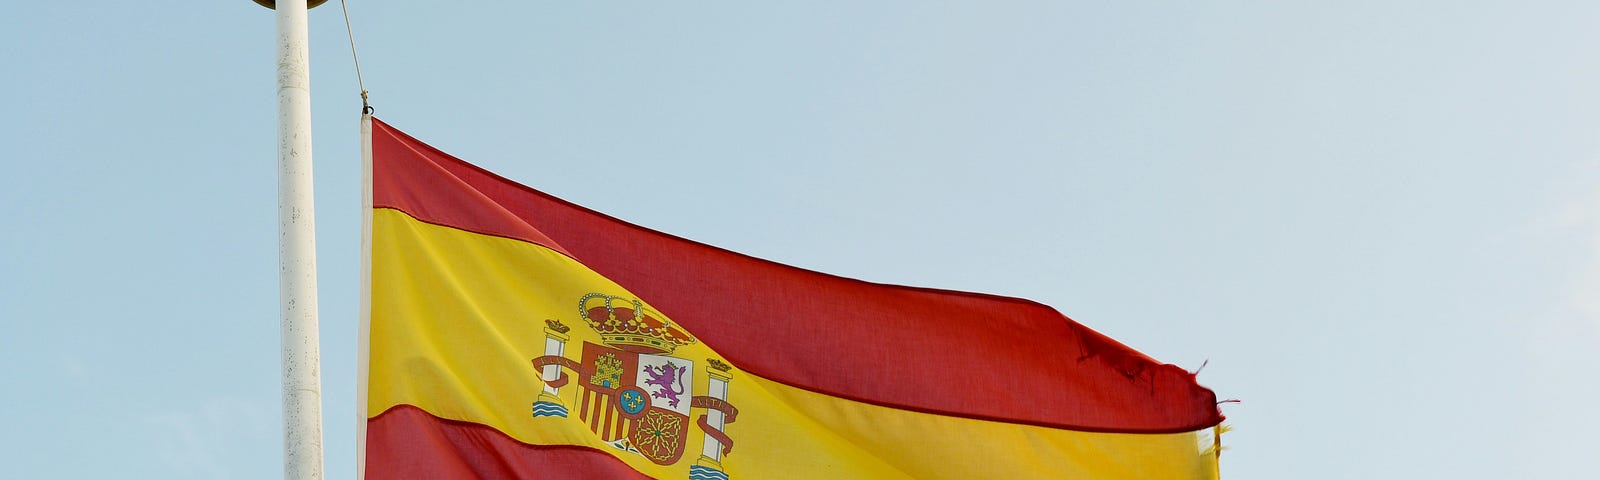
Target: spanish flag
[[510, 334]]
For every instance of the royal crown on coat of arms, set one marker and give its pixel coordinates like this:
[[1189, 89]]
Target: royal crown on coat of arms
[[631, 391], [631, 327]]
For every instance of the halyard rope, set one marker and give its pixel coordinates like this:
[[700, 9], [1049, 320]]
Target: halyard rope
[[365, 107]]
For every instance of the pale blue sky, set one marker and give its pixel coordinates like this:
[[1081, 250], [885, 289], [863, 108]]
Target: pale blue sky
[[1380, 221]]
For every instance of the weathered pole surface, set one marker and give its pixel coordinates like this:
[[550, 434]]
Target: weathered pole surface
[[297, 250]]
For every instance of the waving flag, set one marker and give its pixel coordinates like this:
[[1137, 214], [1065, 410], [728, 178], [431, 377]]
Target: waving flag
[[511, 334]]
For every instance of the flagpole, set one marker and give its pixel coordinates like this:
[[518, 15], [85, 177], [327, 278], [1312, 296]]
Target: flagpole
[[297, 248]]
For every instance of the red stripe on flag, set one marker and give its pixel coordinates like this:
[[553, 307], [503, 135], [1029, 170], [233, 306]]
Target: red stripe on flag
[[936, 351], [407, 442], [588, 396], [605, 431], [595, 411]]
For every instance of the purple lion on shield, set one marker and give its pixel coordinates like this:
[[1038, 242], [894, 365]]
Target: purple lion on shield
[[666, 376]]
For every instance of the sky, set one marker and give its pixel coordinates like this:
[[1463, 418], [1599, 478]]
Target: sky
[[1376, 223]]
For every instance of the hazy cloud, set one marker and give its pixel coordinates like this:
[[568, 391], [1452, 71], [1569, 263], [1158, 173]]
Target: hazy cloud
[[199, 442], [1581, 217]]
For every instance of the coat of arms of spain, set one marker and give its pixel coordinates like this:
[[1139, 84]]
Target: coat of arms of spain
[[631, 391]]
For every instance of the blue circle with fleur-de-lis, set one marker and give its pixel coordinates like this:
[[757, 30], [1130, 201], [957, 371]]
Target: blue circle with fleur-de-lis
[[632, 401]]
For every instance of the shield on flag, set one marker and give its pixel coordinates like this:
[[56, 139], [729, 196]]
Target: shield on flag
[[630, 392], [641, 398]]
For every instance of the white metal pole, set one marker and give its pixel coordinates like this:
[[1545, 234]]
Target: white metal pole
[[297, 251]]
